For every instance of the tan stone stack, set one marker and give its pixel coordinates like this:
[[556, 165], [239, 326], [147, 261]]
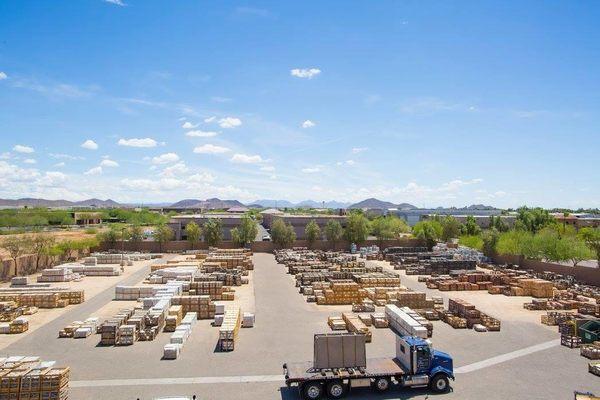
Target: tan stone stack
[[26, 378], [354, 324], [377, 280], [414, 300], [536, 288], [202, 305], [173, 318], [341, 292], [336, 323], [230, 327], [214, 289]]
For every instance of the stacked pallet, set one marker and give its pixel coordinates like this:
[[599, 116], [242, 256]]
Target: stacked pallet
[[553, 318], [341, 292], [134, 292], [57, 275], [42, 297], [173, 318], [454, 321], [536, 288], [229, 328], [202, 305], [336, 323], [79, 329], [403, 323], [365, 305], [28, 378], [354, 324], [95, 270], [214, 289], [414, 300], [473, 316], [18, 325], [378, 280], [181, 334], [378, 320], [420, 319], [127, 334], [383, 295], [591, 351]]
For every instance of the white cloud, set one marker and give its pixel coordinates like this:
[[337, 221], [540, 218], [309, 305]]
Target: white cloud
[[210, 149], [166, 158], [458, 183], [202, 177], [210, 119], [229, 122], [199, 133], [109, 163], [23, 149], [350, 162], [52, 179], [5, 156], [308, 124], [3, 76], [267, 168], [116, 2], [135, 142], [246, 159], [175, 170], [90, 145], [431, 105], [29, 161], [189, 125], [94, 171], [311, 170], [357, 150], [307, 73], [60, 164], [65, 156]]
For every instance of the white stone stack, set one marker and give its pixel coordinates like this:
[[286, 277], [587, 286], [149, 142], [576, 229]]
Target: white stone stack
[[403, 324], [183, 331], [57, 275]]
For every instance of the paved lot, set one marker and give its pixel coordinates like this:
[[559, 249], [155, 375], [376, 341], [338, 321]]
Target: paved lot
[[284, 327]]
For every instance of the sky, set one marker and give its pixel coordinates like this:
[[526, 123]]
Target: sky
[[431, 103]]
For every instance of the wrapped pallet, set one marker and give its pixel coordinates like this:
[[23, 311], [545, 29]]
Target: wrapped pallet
[[404, 324]]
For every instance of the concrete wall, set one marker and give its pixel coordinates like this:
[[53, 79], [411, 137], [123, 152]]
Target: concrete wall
[[26, 265], [587, 275], [257, 247]]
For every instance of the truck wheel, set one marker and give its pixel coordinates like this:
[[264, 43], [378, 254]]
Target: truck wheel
[[440, 383], [312, 390], [336, 390], [381, 384]]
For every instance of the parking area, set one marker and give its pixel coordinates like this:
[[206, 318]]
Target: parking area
[[523, 360]]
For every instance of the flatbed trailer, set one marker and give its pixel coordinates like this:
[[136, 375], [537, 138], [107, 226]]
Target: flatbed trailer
[[379, 374]]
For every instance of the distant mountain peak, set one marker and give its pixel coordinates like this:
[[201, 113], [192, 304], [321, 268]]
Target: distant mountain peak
[[373, 203]]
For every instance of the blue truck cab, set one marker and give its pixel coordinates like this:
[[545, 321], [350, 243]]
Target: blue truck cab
[[422, 364]]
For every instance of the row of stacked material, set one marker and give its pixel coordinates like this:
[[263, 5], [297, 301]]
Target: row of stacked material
[[80, 329], [17, 325], [28, 378], [202, 305], [94, 270], [348, 322], [340, 292], [42, 297], [355, 325], [181, 334], [475, 319], [9, 310], [403, 322], [58, 275], [228, 331]]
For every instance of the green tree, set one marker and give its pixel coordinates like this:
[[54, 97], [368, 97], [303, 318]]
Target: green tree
[[333, 232], [591, 237], [136, 235], [381, 229], [54, 253], [496, 222], [517, 242], [16, 247], [162, 234], [490, 240], [428, 231], [213, 231], [282, 234], [450, 228], [193, 233], [470, 227], [67, 247], [533, 219], [397, 226], [312, 232], [109, 237], [246, 231], [39, 247], [357, 228], [576, 250]]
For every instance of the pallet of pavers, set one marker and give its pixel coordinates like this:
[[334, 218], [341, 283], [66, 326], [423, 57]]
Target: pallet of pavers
[[403, 323], [29, 378], [228, 331], [354, 324]]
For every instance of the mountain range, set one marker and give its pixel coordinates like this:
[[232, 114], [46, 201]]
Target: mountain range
[[215, 203], [29, 202]]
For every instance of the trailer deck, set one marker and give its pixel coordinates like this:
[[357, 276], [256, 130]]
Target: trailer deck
[[376, 367]]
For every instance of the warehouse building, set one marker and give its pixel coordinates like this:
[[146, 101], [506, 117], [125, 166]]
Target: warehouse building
[[299, 221], [178, 223]]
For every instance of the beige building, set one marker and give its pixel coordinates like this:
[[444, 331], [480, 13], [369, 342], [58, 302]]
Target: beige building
[[299, 221]]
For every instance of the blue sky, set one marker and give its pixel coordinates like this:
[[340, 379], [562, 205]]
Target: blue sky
[[432, 103]]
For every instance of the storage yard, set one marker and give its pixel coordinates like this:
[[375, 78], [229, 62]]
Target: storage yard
[[221, 325]]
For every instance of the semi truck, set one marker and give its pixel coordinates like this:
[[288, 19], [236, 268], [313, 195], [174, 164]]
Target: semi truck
[[418, 365], [340, 364]]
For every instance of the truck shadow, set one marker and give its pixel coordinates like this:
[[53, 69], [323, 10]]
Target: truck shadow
[[366, 393]]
